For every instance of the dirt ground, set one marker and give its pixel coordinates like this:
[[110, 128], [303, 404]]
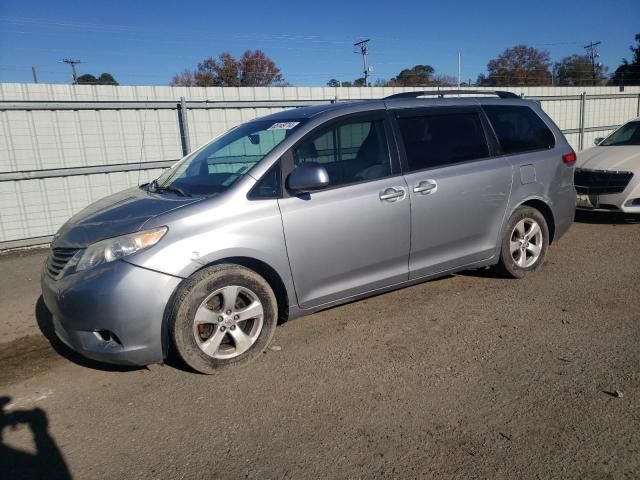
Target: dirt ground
[[470, 376]]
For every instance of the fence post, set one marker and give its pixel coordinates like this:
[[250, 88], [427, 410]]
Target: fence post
[[183, 124], [583, 101]]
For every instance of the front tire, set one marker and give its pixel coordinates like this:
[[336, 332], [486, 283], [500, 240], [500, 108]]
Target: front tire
[[223, 315], [524, 243]]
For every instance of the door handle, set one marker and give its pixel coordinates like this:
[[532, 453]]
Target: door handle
[[391, 194], [425, 187]]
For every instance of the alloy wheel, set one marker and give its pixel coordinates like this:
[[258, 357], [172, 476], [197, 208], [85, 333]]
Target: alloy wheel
[[526, 242], [228, 322]]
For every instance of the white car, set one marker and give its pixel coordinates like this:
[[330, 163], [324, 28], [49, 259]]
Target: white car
[[607, 176]]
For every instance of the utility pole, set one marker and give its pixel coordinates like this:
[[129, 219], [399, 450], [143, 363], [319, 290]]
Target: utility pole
[[458, 68], [364, 50], [33, 72], [73, 63], [593, 55]]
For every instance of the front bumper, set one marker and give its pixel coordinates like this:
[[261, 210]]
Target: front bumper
[[117, 297], [627, 201]]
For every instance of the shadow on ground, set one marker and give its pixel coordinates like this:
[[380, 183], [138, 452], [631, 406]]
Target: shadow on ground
[[46, 462], [607, 218]]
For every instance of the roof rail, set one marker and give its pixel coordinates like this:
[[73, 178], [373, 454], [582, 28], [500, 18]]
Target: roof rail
[[442, 93]]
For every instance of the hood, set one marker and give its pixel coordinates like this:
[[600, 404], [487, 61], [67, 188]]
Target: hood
[[610, 158], [118, 214]]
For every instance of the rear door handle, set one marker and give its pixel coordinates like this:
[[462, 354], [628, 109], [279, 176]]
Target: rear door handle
[[392, 194], [425, 187]]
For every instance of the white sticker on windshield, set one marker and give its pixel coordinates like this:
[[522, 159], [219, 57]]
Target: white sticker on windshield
[[283, 126]]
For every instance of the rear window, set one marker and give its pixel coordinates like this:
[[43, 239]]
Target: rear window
[[519, 129], [434, 140]]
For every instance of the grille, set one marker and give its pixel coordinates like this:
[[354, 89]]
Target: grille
[[58, 258], [600, 182]]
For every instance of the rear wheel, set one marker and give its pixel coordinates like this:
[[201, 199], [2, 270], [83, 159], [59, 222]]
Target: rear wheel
[[223, 315], [524, 243]]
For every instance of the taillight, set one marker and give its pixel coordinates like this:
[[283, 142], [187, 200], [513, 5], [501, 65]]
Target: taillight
[[569, 158]]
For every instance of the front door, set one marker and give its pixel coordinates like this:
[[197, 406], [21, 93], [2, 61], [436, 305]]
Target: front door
[[353, 236], [458, 190]]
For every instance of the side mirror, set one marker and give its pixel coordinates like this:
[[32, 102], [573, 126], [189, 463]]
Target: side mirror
[[598, 140], [307, 178]]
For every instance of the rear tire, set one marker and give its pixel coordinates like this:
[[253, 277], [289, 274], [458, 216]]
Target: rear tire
[[223, 316], [524, 243]]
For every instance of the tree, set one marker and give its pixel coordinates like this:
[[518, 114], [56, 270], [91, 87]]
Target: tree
[[628, 73], [107, 79], [333, 83], [360, 82], [256, 69], [103, 79], [87, 78], [577, 71], [418, 75], [518, 66], [444, 80], [253, 69]]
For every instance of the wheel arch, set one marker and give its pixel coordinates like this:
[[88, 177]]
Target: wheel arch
[[266, 271], [546, 212]]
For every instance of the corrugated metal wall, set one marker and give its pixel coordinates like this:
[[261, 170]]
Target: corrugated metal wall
[[34, 141]]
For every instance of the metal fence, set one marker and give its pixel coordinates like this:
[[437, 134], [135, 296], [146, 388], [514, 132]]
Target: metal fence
[[64, 149]]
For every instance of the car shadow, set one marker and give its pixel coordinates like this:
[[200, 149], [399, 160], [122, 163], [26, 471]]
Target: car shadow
[[607, 218], [485, 272], [46, 462], [45, 324]]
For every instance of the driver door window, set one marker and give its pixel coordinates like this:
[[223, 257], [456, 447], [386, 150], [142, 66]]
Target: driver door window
[[350, 152]]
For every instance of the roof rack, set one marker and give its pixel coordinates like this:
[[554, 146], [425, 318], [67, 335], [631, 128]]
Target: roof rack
[[442, 93]]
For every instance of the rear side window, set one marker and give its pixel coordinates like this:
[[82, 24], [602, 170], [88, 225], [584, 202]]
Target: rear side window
[[519, 129], [433, 140]]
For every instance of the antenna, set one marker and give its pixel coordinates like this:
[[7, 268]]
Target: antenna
[[364, 50], [593, 55], [73, 63]]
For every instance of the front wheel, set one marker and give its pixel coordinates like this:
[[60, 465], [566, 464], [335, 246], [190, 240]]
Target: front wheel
[[223, 315], [524, 243]]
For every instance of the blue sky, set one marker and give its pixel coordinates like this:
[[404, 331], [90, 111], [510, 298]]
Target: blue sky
[[146, 42]]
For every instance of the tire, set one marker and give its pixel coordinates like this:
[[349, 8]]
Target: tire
[[533, 245], [222, 316]]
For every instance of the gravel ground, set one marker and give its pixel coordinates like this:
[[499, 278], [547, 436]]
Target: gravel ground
[[470, 376]]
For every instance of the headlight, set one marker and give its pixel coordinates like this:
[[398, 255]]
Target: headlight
[[115, 248]]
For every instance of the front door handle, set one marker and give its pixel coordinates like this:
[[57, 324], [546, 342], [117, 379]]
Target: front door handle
[[392, 194], [425, 187]]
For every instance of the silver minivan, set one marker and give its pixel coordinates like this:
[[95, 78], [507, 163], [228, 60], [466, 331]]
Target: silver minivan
[[305, 209]]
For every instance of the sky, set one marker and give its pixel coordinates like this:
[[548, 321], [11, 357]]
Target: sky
[[144, 42]]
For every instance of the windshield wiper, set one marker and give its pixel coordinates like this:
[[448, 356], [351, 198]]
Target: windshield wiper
[[154, 188]]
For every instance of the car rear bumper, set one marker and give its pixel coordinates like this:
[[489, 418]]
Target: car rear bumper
[[564, 211], [112, 313]]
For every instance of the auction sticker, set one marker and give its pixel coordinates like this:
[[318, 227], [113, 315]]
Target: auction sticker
[[283, 126]]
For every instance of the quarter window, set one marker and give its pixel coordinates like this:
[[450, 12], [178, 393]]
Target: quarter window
[[434, 140], [350, 152], [519, 129], [268, 186]]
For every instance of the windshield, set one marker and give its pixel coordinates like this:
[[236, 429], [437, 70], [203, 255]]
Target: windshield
[[218, 165], [628, 134]]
